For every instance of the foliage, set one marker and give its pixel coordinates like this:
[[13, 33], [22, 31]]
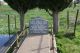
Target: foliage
[[24, 5], [54, 5], [18, 5]]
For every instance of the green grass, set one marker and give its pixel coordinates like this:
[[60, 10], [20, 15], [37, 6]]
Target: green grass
[[64, 44]]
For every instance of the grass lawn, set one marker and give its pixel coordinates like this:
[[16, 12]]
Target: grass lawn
[[64, 44]]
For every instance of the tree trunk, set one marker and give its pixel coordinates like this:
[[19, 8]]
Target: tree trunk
[[55, 22], [21, 21]]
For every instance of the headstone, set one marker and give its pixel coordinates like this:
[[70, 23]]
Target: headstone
[[38, 26]]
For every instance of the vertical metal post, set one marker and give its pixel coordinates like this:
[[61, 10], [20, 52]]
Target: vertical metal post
[[24, 30], [76, 21], [9, 25], [67, 19], [15, 22]]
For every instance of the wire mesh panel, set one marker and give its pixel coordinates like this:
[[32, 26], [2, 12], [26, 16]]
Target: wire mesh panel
[[12, 24], [3, 24], [71, 24]]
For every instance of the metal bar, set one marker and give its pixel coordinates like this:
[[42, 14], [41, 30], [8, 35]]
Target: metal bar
[[9, 25], [76, 21], [15, 22], [67, 19]]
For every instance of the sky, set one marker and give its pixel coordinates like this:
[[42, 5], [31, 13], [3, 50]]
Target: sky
[[1, 0]]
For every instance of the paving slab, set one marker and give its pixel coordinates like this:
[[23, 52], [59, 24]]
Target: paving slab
[[35, 44]]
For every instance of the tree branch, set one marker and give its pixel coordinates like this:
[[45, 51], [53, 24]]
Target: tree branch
[[49, 13]]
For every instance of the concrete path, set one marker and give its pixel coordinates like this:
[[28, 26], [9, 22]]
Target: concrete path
[[35, 44]]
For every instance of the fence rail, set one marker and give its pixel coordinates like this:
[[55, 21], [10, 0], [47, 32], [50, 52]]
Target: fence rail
[[17, 42], [53, 41]]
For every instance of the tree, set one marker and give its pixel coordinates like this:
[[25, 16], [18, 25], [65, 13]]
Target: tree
[[21, 6], [55, 6]]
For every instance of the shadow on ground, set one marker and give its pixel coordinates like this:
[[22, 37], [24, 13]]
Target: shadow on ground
[[37, 34]]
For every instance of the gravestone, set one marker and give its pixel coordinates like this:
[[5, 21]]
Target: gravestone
[[38, 26]]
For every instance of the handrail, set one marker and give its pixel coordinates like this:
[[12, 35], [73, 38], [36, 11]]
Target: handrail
[[19, 34], [53, 45]]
